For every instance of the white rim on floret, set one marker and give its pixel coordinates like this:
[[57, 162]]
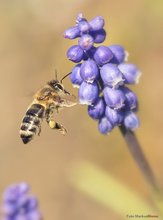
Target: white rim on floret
[[126, 56], [85, 102], [76, 86], [139, 73], [118, 82]]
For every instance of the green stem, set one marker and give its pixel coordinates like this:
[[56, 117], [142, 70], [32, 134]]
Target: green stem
[[137, 153]]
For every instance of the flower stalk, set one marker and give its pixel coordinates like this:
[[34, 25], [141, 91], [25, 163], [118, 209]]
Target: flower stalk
[[139, 156]]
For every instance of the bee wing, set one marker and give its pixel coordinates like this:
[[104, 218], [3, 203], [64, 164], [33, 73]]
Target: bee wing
[[43, 93]]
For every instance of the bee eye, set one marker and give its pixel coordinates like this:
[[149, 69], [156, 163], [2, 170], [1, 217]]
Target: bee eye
[[58, 86]]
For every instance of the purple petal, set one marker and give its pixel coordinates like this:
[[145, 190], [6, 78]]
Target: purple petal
[[111, 75], [131, 121], [119, 54], [86, 41], [98, 36], [104, 126], [131, 98], [89, 71], [96, 110], [97, 23], [114, 98], [72, 33], [88, 93], [75, 53], [114, 116], [130, 73], [102, 55], [84, 26], [75, 76]]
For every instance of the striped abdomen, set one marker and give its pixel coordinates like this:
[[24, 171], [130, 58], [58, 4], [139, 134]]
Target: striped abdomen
[[31, 122]]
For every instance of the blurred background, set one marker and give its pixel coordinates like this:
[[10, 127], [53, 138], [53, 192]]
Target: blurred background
[[31, 48]]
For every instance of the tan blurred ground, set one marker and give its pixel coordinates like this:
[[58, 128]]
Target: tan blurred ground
[[31, 47]]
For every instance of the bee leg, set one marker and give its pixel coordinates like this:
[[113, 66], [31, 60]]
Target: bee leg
[[57, 109], [56, 125], [39, 131], [51, 122]]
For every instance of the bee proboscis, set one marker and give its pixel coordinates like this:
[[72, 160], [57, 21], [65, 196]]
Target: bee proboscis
[[52, 96]]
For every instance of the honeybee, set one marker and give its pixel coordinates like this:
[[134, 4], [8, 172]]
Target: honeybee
[[52, 96]]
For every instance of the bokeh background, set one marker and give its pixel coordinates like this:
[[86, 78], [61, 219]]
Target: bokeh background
[[31, 48]]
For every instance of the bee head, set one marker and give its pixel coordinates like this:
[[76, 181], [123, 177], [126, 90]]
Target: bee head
[[56, 85]]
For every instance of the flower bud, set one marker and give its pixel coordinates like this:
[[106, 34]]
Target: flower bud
[[96, 110], [80, 18], [97, 23], [14, 191], [119, 54], [9, 208], [75, 76], [103, 55], [111, 75], [89, 71], [83, 26], [75, 53], [86, 41], [88, 93], [130, 73], [34, 215], [104, 126], [114, 116], [17, 204], [98, 36], [131, 98], [114, 98], [31, 203], [72, 33], [131, 121]]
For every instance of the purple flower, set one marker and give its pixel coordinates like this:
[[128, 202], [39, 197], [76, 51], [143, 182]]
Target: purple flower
[[102, 55], [75, 76], [72, 33], [119, 54], [111, 75], [89, 71], [114, 116], [17, 204], [86, 41], [97, 110], [131, 98], [131, 121], [105, 126], [88, 93], [14, 191], [114, 98], [130, 73], [97, 23], [102, 76], [75, 53], [84, 26], [98, 36]]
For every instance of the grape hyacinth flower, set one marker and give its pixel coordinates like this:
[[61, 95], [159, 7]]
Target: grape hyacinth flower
[[102, 75], [17, 204]]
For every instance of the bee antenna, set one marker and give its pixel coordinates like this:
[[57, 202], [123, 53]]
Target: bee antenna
[[56, 74], [65, 76]]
